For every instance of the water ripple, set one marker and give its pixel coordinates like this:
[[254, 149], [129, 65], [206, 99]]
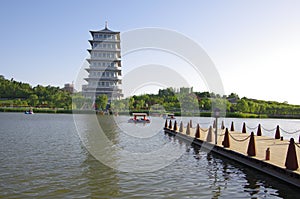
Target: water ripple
[[43, 157]]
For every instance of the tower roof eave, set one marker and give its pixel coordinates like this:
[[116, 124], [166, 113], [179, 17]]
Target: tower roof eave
[[104, 31]]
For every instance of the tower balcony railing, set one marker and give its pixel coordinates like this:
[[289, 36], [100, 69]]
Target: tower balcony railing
[[104, 78], [96, 58], [89, 60], [103, 68], [104, 88], [105, 39], [104, 49]]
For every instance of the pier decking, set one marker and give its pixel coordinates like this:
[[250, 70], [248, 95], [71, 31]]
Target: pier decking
[[237, 150]]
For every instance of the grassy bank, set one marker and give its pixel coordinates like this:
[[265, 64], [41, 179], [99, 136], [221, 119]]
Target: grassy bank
[[46, 110], [228, 114], [35, 110], [201, 114]]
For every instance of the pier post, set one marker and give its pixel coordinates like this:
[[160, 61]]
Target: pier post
[[170, 124], [222, 125], [244, 128], [209, 135], [216, 114], [291, 161], [191, 124], [216, 132], [277, 134], [232, 126], [197, 134], [175, 128], [188, 130], [258, 130], [181, 127], [226, 142], [251, 146], [268, 154], [166, 124]]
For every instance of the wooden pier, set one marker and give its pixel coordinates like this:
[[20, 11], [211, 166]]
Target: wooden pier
[[271, 162]]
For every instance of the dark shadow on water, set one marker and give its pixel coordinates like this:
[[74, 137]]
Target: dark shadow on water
[[102, 181], [108, 125]]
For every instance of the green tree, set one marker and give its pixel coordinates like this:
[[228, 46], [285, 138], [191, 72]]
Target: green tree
[[233, 96], [101, 101], [219, 103], [131, 103], [205, 104], [33, 99], [242, 106], [166, 92], [78, 101], [140, 104], [188, 102], [118, 105]]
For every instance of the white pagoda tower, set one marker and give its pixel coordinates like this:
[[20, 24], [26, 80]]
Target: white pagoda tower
[[104, 70]]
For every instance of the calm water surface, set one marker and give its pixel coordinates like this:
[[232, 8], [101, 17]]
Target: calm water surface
[[42, 156]]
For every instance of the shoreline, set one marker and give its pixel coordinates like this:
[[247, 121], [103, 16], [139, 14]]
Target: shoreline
[[200, 114]]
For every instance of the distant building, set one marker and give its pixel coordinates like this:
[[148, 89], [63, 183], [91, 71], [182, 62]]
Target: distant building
[[186, 90], [104, 70], [69, 88]]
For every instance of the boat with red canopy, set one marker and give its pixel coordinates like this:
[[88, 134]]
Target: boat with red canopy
[[139, 118]]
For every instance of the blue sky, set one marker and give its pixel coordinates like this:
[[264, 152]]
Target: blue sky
[[255, 44]]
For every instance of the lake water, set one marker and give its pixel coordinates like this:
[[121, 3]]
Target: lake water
[[48, 156]]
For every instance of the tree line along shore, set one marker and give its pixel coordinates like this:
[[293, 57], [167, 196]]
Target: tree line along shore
[[18, 97]]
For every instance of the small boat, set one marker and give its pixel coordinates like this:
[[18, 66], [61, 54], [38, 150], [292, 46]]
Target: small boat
[[170, 116], [29, 112], [139, 118]]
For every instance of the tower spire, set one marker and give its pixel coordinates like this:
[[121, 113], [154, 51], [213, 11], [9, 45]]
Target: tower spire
[[105, 24]]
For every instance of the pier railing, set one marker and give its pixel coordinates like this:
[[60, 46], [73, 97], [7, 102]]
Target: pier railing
[[272, 155], [259, 129], [227, 136]]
